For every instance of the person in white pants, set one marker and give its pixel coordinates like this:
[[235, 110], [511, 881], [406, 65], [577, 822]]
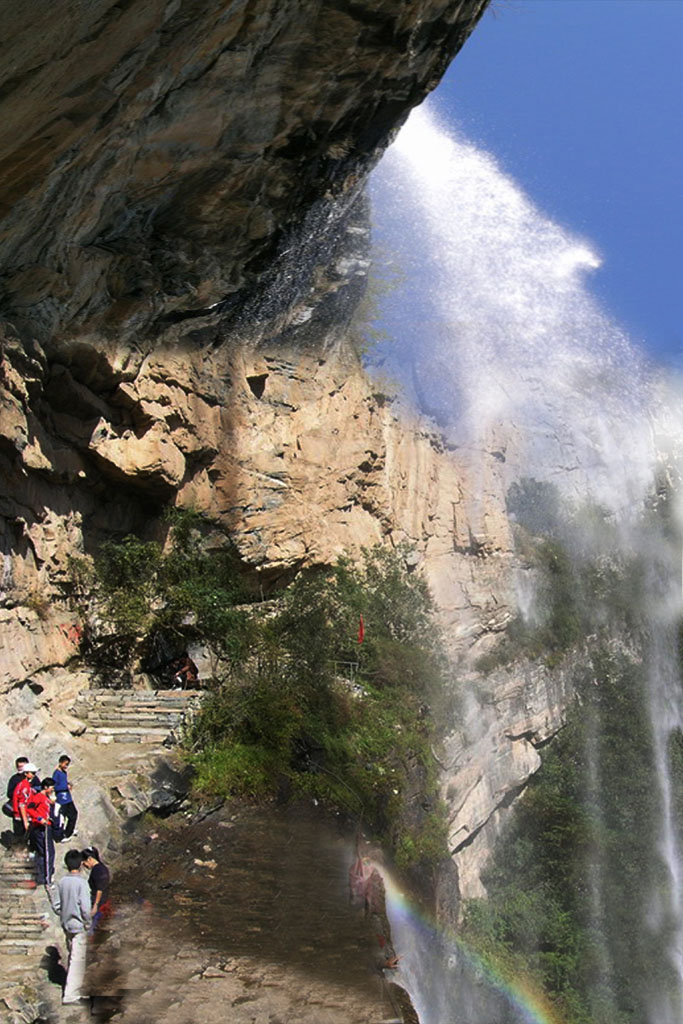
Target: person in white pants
[[71, 901]]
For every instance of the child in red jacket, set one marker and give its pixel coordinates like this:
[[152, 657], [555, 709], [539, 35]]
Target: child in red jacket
[[21, 794], [40, 813]]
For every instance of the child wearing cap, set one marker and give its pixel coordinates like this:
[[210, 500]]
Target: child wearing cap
[[21, 794]]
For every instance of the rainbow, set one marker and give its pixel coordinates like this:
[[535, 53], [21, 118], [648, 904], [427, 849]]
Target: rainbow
[[532, 1004]]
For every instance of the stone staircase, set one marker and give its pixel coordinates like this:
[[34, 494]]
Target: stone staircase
[[136, 716], [25, 906], [142, 724]]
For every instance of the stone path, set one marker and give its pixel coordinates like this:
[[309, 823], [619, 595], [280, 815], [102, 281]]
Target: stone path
[[142, 724], [123, 753], [245, 918], [136, 716], [28, 927], [24, 917]]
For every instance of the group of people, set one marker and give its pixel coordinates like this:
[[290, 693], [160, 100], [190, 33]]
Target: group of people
[[43, 813]]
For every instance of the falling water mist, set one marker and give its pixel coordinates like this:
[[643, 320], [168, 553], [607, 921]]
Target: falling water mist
[[493, 332]]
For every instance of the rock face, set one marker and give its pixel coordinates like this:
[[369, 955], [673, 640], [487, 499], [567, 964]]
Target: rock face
[[488, 761], [184, 241], [159, 156], [297, 455]]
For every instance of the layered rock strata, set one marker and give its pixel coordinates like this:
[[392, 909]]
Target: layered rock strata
[[161, 156], [183, 242], [296, 456]]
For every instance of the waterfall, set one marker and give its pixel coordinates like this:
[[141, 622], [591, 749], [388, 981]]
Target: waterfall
[[493, 329], [665, 708], [507, 330]]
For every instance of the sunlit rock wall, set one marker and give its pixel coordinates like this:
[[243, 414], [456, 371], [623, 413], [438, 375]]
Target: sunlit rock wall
[[183, 243], [296, 455], [181, 188]]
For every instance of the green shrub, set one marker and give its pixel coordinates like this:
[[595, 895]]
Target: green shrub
[[298, 702], [346, 722], [427, 844], [235, 769], [145, 593]]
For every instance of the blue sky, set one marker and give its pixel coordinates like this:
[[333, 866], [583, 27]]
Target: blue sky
[[581, 102]]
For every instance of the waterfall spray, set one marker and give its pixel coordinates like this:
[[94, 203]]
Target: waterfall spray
[[495, 329], [507, 331]]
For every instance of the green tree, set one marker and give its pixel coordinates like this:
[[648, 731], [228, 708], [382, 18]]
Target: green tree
[[348, 722]]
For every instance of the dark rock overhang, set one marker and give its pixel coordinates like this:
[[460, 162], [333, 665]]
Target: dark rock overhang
[[159, 157]]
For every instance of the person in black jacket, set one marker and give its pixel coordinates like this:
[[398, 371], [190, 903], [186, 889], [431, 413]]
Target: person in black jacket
[[18, 776], [99, 881]]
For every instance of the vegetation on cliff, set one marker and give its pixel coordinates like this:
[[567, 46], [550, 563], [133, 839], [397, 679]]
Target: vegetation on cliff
[[139, 599], [576, 875], [314, 711], [297, 705]]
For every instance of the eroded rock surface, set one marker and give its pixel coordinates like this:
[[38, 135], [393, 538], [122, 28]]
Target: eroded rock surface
[[159, 156], [312, 462], [183, 242]]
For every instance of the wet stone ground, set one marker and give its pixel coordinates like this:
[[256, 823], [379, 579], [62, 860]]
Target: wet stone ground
[[241, 917]]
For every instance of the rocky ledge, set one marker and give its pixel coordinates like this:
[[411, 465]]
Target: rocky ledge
[[184, 241], [162, 156]]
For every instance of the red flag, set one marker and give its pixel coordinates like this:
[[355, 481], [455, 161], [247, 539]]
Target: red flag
[[361, 630]]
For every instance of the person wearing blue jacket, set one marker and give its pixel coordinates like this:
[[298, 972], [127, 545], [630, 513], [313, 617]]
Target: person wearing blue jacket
[[67, 807]]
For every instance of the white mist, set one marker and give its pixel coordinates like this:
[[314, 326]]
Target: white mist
[[494, 329]]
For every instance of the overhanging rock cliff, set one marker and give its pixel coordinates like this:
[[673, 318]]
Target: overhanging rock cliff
[[161, 156], [183, 242], [181, 190]]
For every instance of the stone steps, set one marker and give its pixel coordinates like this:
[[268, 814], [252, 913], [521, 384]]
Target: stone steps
[[136, 716], [153, 697], [108, 734], [134, 708], [12, 877], [17, 945], [17, 875], [132, 712], [104, 717], [25, 918], [133, 722], [27, 929]]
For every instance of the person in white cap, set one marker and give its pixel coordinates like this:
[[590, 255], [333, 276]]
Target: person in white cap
[[23, 791]]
